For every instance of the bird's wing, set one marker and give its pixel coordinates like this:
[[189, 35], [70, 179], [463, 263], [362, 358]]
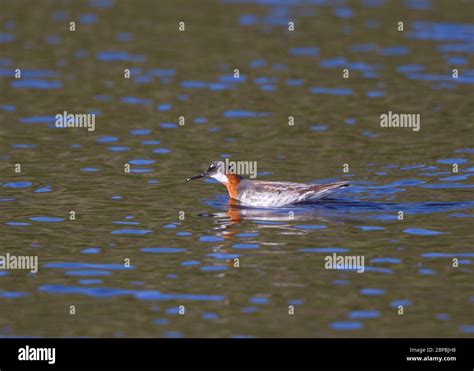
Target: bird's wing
[[262, 193], [317, 191], [296, 188]]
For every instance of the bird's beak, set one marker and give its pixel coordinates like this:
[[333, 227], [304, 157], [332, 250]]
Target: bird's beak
[[202, 175]]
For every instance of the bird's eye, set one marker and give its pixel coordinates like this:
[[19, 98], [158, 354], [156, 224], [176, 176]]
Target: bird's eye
[[212, 167]]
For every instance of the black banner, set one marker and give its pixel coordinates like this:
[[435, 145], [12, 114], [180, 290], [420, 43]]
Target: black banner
[[237, 353]]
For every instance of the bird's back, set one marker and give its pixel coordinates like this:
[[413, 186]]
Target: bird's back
[[276, 194]]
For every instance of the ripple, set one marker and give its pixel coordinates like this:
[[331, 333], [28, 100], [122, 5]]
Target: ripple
[[422, 232], [310, 226], [211, 239], [246, 246], [372, 292], [190, 263], [118, 56], [91, 250], [386, 260], [250, 309], [126, 222], [141, 161], [18, 224], [214, 268], [448, 255], [140, 131], [403, 302], [307, 51], [87, 272], [443, 316], [377, 270], [184, 234], [161, 150], [44, 189], [324, 249], [244, 114], [427, 272], [13, 294], [90, 281], [368, 228], [80, 265], [38, 120], [118, 148], [162, 249], [223, 256], [247, 235], [467, 329], [168, 125], [211, 316], [132, 231], [332, 91], [319, 127], [259, 300], [23, 184], [150, 142], [137, 101], [46, 219], [156, 295], [451, 161], [107, 139], [24, 146], [296, 301], [100, 292], [363, 314], [36, 84], [347, 326]]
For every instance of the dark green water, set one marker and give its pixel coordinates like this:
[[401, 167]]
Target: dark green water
[[408, 262]]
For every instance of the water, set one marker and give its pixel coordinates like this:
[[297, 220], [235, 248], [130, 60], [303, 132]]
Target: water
[[130, 265]]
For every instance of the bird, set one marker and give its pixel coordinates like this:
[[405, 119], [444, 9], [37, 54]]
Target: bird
[[257, 193]]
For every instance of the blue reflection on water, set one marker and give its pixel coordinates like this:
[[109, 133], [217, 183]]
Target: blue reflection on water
[[332, 91], [139, 232], [119, 56], [13, 294], [162, 249], [244, 114], [23, 184], [46, 219], [422, 232], [363, 314], [346, 326], [36, 84], [81, 265], [87, 273], [372, 291], [325, 249], [308, 51]]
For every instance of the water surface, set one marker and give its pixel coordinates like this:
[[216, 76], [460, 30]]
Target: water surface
[[130, 264]]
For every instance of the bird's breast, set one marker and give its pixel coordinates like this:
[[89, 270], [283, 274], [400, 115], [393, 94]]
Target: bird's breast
[[232, 185]]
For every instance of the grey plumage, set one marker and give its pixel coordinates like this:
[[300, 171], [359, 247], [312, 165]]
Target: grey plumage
[[276, 194]]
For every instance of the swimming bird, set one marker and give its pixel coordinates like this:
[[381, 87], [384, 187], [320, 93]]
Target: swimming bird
[[258, 193]]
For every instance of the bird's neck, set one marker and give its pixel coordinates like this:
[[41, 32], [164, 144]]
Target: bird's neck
[[233, 181]]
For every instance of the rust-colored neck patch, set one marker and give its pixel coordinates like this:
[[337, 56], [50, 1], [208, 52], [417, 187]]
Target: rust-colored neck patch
[[233, 181]]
